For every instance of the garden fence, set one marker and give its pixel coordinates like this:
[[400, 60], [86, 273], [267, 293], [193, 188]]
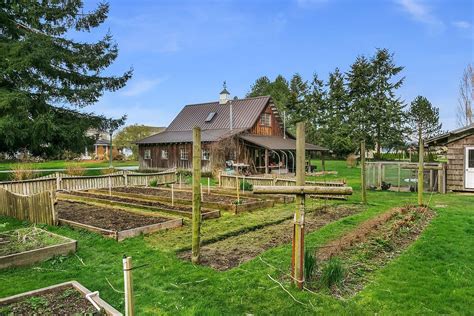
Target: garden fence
[[37, 208], [230, 181], [61, 181], [403, 176]]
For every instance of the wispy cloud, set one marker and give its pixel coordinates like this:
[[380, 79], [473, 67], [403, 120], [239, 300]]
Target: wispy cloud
[[141, 86], [421, 12], [462, 24]]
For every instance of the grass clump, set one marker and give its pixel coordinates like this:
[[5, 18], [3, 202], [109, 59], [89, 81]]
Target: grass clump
[[21, 172], [154, 183], [246, 186], [74, 169], [310, 264], [332, 273]]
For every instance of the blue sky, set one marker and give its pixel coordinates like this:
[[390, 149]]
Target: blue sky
[[182, 51]]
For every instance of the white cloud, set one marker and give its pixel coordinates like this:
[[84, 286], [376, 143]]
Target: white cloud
[[420, 12], [141, 86], [462, 24]]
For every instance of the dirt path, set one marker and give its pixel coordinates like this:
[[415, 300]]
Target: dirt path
[[233, 251], [103, 217]]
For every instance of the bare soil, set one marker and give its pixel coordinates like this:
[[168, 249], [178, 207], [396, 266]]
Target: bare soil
[[182, 195], [103, 217], [233, 251], [58, 301], [156, 204]]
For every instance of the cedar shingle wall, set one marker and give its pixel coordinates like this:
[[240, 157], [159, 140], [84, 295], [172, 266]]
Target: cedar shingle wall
[[456, 160], [273, 130]]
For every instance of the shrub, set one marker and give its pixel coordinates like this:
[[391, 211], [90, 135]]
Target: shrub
[[351, 161], [332, 273], [74, 169], [184, 173], [207, 174], [154, 183], [21, 172], [246, 186], [107, 171], [309, 264]]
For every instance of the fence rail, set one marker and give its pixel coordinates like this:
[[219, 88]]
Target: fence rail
[[37, 208], [230, 181], [62, 181]]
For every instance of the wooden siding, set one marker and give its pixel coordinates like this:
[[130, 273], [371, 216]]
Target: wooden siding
[[273, 130], [174, 160], [456, 163]]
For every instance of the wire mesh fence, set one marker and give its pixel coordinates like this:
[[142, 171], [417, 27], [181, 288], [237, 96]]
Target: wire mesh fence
[[403, 176]]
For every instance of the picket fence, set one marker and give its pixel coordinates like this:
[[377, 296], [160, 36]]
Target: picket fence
[[37, 208], [230, 181], [61, 181]]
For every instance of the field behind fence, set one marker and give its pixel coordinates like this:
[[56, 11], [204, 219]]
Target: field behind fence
[[61, 181], [37, 208]]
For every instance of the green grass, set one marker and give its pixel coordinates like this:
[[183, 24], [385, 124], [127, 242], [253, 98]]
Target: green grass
[[433, 276]]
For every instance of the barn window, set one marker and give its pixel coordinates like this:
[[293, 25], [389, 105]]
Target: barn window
[[183, 154], [164, 154], [205, 154], [147, 154], [266, 119], [210, 117]]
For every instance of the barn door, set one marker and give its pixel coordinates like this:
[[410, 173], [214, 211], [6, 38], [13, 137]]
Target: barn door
[[469, 175]]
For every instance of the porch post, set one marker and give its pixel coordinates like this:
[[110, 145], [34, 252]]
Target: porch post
[[266, 161]]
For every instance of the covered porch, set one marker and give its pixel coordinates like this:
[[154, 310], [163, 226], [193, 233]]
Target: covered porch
[[273, 154]]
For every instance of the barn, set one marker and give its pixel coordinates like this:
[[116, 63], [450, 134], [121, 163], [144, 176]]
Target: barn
[[240, 134], [460, 165]]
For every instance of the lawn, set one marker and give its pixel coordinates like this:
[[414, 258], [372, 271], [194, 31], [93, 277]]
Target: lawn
[[435, 275]]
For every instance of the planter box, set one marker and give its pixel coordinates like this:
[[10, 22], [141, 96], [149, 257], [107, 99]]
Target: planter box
[[109, 310], [129, 233], [41, 254]]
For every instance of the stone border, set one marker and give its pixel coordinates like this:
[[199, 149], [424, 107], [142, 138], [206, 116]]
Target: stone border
[[109, 310], [41, 254], [128, 233], [104, 201]]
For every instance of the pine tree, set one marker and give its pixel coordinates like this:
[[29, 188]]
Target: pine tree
[[387, 109], [46, 77]]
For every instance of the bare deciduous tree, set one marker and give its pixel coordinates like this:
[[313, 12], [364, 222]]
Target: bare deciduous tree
[[466, 86]]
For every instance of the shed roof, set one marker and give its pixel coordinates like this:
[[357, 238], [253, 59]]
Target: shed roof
[[278, 143], [451, 136], [187, 136], [245, 113]]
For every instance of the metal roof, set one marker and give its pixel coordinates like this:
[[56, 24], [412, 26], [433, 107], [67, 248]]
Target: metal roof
[[278, 143], [450, 136], [245, 113], [187, 136]]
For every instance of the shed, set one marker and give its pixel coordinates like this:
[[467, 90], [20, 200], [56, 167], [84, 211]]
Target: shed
[[460, 166]]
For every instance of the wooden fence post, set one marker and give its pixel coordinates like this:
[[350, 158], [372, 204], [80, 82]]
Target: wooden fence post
[[172, 194], [298, 243], [379, 176], [208, 185], [362, 172], [399, 176], [58, 181], [420, 169], [196, 226], [125, 178], [128, 285]]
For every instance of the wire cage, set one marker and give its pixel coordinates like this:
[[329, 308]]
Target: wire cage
[[403, 176]]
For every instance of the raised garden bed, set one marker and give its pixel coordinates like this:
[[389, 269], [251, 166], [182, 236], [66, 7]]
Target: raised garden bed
[[26, 246], [141, 203], [184, 197], [367, 248], [67, 298], [114, 223], [233, 251]]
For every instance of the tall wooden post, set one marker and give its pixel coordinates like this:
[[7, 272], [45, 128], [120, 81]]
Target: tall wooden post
[[420, 168], [363, 172], [298, 242], [196, 235], [323, 162], [128, 285]]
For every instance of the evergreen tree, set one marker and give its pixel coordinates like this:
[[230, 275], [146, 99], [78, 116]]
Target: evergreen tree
[[423, 123], [360, 92], [315, 108], [45, 76], [387, 109]]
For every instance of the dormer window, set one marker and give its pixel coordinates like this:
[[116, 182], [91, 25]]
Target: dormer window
[[266, 119], [210, 117]]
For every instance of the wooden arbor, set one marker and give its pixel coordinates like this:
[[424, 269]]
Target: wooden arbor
[[300, 190]]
